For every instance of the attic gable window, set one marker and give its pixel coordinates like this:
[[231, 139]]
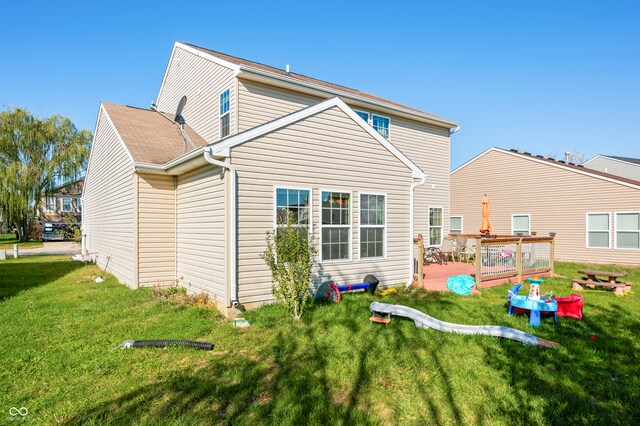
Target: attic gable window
[[225, 109]]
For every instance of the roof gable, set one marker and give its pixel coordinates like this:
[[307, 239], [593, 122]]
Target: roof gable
[[222, 147], [632, 161], [561, 164]]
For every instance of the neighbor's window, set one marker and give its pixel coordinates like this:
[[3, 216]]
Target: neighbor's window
[[51, 204], [79, 204], [364, 115], [598, 230], [381, 124], [293, 204], [224, 114], [628, 230], [372, 225], [66, 205], [455, 226], [520, 224], [435, 226], [335, 234]]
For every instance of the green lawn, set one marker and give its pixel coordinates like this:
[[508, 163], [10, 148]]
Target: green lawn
[[8, 240], [59, 329]]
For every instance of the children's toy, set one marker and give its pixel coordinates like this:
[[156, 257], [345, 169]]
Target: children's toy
[[534, 303], [333, 292], [422, 320], [570, 306]]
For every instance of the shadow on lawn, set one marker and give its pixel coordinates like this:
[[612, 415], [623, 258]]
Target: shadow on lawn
[[289, 382], [26, 273], [585, 382]]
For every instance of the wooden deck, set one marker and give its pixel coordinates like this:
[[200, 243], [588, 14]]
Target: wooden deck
[[436, 276]]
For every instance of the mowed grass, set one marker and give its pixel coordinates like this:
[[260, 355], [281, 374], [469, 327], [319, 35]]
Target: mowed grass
[[8, 240], [59, 329]]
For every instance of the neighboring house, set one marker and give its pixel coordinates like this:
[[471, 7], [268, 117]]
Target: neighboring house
[[620, 166], [61, 201], [193, 206], [595, 215]]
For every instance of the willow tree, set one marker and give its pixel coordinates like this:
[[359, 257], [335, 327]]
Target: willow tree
[[35, 156]]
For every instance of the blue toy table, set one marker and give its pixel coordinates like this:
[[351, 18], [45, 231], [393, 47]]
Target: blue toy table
[[535, 306]]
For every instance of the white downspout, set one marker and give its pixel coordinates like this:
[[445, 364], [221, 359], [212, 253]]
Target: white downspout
[[232, 224], [423, 179]]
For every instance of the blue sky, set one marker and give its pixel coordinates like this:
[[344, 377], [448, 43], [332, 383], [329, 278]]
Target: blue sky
[[544, 76]]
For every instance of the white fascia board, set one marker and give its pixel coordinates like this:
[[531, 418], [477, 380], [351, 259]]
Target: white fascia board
[[171, 167], [115, 129], [482, 154], [549, 163], [244, 69], [222, 148], [95, 132], [611, 159]]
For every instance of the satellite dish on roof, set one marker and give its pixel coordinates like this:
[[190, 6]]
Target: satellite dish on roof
[[179, 118]]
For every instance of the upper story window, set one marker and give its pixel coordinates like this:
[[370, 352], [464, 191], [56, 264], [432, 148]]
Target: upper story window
[[628, 230], [378, 122], [66, 205], [520, 224], [598, 230], [381, 124], [455, 225], [225, 108], [51, 204], [335, 235]]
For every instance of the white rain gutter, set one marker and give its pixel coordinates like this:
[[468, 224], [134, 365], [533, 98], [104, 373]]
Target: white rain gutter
[[232, 223], [454, 130], [423, 179]]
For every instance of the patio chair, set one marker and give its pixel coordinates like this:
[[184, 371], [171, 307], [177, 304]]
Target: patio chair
[[440, 254], [460, 247]]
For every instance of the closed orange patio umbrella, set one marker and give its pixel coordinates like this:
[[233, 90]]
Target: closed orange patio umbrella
[[485, 227]]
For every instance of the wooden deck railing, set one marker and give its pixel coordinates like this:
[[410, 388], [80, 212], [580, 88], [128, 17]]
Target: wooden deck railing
[[512, 256]]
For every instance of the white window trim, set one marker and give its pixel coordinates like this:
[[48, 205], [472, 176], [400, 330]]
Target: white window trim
[[384, 227], [350, 226], [222, 115], [55, 203], [461, 223], [429, 226], [296, 188], [597, 230], [513, 232], [383, 116], [70, 205], [615, 230]]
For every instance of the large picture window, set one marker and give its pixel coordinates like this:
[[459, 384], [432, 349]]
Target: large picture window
[[335, 235], [294, 205], [435, 226], [628, 230], [225, 119], [598, 230], [373, 223]]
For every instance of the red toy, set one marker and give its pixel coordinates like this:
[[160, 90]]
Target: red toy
[[570, 306]]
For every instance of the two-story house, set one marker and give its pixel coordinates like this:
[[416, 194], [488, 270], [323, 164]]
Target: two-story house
[[187, 194], [62, 201]]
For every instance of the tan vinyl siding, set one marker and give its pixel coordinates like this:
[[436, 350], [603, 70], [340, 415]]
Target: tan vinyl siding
[[325, 151], [201, 232], [109, 204], [156, 230], [615, 167], [201, 81], [556, 198], [427, 146]]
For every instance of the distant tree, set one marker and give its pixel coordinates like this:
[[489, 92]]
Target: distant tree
[[35, 156], [575, 156]]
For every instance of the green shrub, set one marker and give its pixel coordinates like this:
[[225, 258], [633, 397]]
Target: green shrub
[[290, 255]]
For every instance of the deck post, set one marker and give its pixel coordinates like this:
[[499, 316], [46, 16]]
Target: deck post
[[478, 262], [420, 270], [552, 251], [519, 260]]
